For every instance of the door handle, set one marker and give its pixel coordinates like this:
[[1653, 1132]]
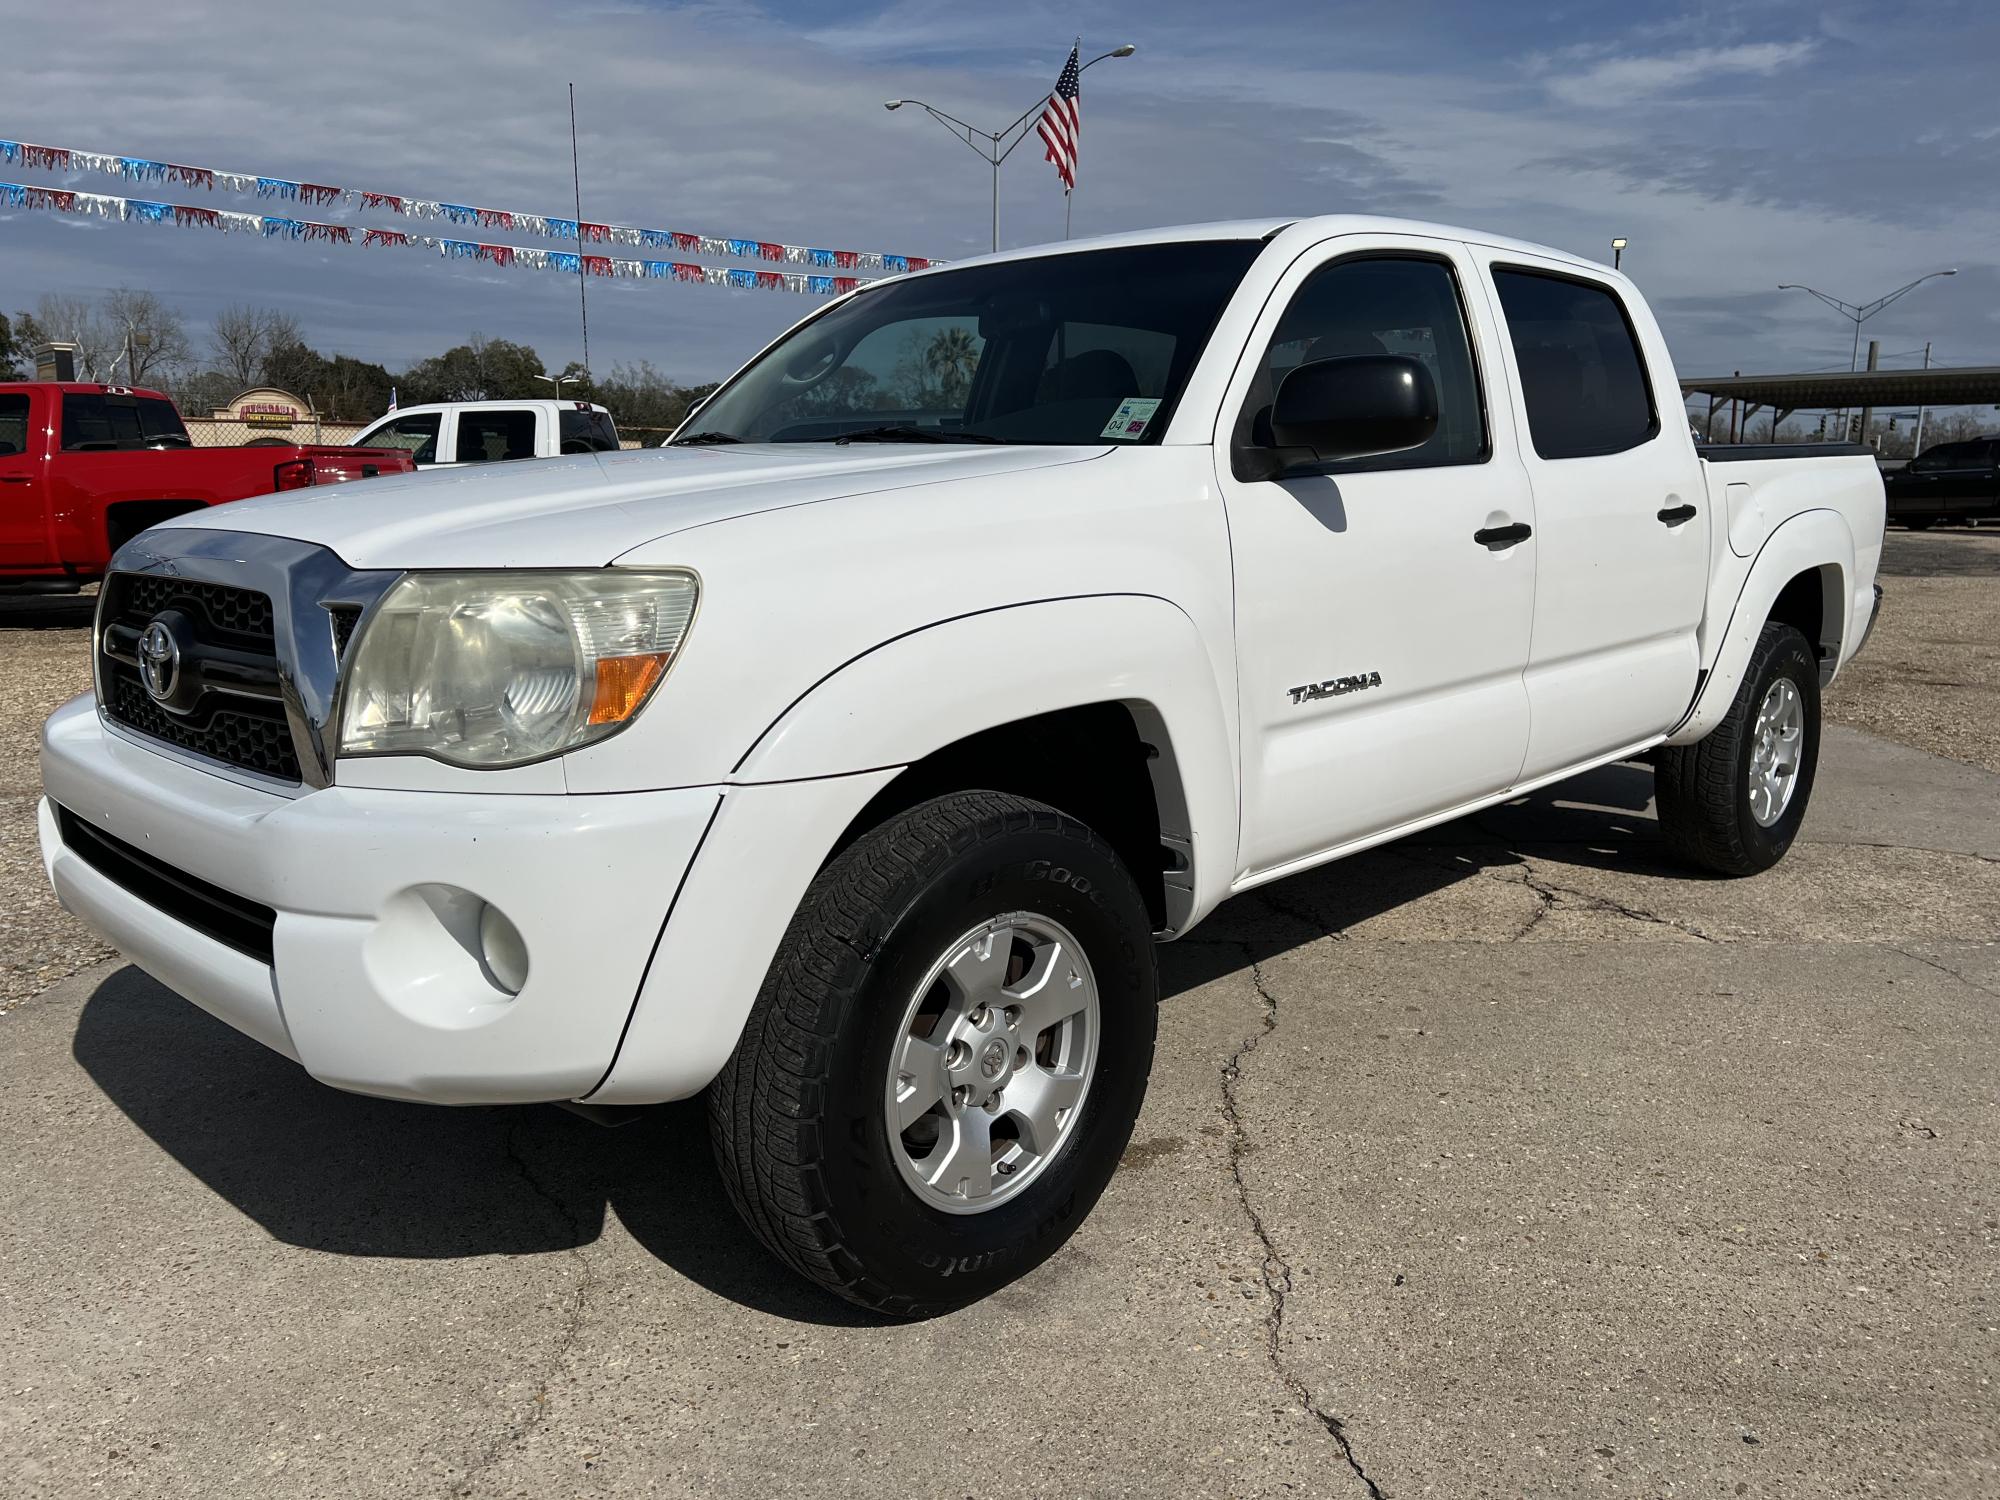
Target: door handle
[[1673, 515], [1500, 538], [13, 478]]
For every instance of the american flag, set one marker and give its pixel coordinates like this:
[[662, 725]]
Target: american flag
[[1061, 128]]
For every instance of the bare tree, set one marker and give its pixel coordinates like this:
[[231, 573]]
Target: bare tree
[[243, 338], [75, 320], [151, 336]]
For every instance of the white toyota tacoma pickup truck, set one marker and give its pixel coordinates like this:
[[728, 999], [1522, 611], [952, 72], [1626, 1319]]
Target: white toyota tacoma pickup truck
[[847, 758]]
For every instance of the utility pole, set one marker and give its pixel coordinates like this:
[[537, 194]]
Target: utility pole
[[1917, 442], [1874, 359], [576, 182]]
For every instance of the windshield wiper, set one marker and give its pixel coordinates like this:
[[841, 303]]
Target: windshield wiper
[[908, 434], [705, 437]]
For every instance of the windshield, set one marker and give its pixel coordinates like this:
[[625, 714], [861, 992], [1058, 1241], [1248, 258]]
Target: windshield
[[1084, 348]]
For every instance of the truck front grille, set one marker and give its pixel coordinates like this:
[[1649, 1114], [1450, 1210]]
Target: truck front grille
[[231, 706], [230, 919]]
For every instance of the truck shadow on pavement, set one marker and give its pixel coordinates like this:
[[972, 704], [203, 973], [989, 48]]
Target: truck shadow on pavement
[[348, 1175], [46, 611]]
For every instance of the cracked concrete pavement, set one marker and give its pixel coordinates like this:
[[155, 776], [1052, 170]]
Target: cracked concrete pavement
[[1506, 1161], [1509, 1160]]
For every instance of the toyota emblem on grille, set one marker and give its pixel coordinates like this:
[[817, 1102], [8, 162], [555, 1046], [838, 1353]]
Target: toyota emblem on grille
[[159, 661]]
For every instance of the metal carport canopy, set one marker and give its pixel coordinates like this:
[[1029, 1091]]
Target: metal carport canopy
[[1940, 386]]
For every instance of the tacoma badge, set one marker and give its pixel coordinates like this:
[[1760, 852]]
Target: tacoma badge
[[1335, 687]]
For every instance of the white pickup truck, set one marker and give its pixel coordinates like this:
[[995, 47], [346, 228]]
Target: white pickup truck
[[847, 758], [446, 434]]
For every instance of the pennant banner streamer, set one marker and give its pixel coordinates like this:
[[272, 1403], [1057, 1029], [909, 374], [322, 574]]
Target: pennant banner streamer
[[271, 226], [583, 232]]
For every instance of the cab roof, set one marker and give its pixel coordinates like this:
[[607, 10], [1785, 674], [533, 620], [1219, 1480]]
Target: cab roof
[[1323, 226]]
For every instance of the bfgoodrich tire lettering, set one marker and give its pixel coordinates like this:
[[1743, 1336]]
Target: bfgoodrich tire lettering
[[797, 1115], [1704, 790]]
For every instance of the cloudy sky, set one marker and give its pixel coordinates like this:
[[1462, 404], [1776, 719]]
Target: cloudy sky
[[1850, 146]]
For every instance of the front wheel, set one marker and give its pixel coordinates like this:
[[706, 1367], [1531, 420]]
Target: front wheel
[[946, 1058], [1732, 802]]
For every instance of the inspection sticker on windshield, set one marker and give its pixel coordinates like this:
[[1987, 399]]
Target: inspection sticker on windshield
[[1129, 421]]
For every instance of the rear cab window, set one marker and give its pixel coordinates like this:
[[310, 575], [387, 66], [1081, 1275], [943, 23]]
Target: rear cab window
[[1583, 378], [116, 421]]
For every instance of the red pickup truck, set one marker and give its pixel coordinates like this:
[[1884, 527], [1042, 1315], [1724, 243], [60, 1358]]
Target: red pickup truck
[[83, 468]]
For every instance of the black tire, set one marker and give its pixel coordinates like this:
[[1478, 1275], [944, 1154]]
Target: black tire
[[797, 1115], [1703, 789], [1919, 523]]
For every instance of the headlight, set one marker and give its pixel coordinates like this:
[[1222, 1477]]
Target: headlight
[[497, 669]]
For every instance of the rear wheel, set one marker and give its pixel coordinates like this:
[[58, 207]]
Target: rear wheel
[[946, 1058], [1732, 802]]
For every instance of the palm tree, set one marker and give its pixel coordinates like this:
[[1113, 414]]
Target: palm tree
[[951, 357]]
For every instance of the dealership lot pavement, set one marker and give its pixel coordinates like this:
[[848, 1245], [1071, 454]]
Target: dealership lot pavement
[[1505, 1161]]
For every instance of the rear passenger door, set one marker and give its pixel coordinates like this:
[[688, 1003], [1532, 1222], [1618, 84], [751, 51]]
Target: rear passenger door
[[1621, 521]]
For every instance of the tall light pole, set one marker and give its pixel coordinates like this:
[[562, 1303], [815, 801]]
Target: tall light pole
[[994, 146], [1617, 251], [1859, 313], [559, 381]]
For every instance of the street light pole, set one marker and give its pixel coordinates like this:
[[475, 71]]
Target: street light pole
[[559, 381], [1859, 313], [1617, 252], [994, 146]]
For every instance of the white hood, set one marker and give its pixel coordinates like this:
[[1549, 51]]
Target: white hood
[[584, 511]]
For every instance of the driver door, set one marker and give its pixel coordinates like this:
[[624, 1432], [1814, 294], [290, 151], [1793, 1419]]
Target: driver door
[[1381, 647]]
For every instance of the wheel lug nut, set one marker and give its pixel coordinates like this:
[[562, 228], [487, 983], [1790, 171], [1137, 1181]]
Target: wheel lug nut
[[961, 1096], [957, 1055], [980, 1017], [1012, 1016]]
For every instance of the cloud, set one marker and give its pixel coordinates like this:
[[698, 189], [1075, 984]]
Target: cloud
[[1620, 80], [1731, 161]]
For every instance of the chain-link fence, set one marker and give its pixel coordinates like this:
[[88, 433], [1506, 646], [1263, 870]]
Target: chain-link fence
[[235, 432]]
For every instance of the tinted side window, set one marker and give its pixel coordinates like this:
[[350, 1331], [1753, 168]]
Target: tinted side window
[[1582, 376], [417, 435], [486, 437], [13, 425], [97, 423], [1382, 306], [588, 432]]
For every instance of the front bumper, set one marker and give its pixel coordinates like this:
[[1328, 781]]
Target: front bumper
[[375, 982]]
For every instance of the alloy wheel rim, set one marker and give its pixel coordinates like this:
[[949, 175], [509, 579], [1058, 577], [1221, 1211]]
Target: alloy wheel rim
[[1777, 747], [992, 1062]]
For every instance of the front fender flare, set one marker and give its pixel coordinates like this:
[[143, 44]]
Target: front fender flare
[[1816, 539], [911, 696]]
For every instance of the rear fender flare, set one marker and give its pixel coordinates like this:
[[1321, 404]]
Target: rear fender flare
[[1816, 539]]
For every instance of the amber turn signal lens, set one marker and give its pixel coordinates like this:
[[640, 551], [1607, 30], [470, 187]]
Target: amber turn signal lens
[[622, 685]]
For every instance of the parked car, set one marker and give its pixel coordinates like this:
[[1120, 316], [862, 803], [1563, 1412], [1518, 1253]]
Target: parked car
[[444, 434], [846, 759], [84, 468], [1947, 482]]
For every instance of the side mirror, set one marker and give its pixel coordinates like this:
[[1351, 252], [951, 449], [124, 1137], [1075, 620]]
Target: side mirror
[[1361, 406]]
